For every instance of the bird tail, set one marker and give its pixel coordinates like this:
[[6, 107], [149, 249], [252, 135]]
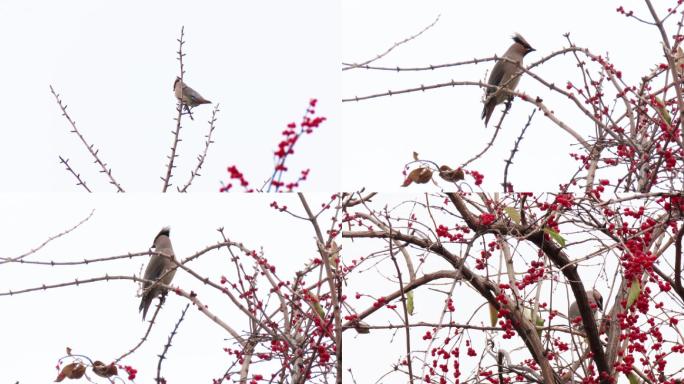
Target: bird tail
[[488, 109], [145, 303]]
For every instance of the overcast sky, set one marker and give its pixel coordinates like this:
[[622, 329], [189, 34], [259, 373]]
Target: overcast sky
[[101, 320], [114, 64], [444, 124]]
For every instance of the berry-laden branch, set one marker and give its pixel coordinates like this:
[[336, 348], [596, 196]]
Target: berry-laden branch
[[285, 326], [290, 137], [636, 140], [624, 250]]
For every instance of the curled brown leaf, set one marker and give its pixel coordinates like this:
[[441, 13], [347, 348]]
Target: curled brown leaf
[[103, 370], [419, 176], [71, 371], [451, 175]]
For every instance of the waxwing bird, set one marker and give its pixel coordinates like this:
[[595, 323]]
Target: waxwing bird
[[188, 96], [595, 301], [158, 267], [506, 74]]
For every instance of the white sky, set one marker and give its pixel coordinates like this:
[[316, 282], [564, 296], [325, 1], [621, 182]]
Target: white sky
[[114, 64], [101, 319], [444, 124]]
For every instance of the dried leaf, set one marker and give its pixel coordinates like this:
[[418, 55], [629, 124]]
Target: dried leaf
[[71, 371], [103, 370], [415, 155], [451, 175], [419, 176]]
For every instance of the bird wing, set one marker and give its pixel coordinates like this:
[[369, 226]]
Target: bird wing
[[155, 268], [195, 96], [496, 76]]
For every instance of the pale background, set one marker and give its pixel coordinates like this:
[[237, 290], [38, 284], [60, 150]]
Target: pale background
[[101, 320], [114, 64], [444, 125]]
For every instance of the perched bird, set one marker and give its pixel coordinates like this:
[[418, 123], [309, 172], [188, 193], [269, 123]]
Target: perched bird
[[188, 96], [158, 267], [595, 301], [505, 74]]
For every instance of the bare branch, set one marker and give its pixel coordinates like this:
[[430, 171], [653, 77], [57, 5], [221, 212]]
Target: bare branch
[[93, 152]]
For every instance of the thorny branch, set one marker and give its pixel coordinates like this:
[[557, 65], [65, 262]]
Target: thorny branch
[[202, 156], [596, 224], [93, 152], [293, 325], [168, 345], [176, 132]]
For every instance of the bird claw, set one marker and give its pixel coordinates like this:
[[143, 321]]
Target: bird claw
[[188, 112]]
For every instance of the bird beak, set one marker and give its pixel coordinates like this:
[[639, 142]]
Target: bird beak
[[531, 50]]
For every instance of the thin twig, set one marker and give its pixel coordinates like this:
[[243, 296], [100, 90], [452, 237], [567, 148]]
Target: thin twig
[[144, 338], [93, 152], [406, 40], [20, 258], [331, 282], [168, 344], [513, 152], [407, 329], [491, 142], [536, 101], [76, 175], [670, 60], [202, 156]]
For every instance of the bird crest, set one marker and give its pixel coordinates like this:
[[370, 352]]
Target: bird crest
[[164, 232], [521, 40]]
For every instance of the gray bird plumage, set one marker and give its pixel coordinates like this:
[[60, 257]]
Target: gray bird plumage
[[594, 297], [188, 96], [505, 74], [158, 267]]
